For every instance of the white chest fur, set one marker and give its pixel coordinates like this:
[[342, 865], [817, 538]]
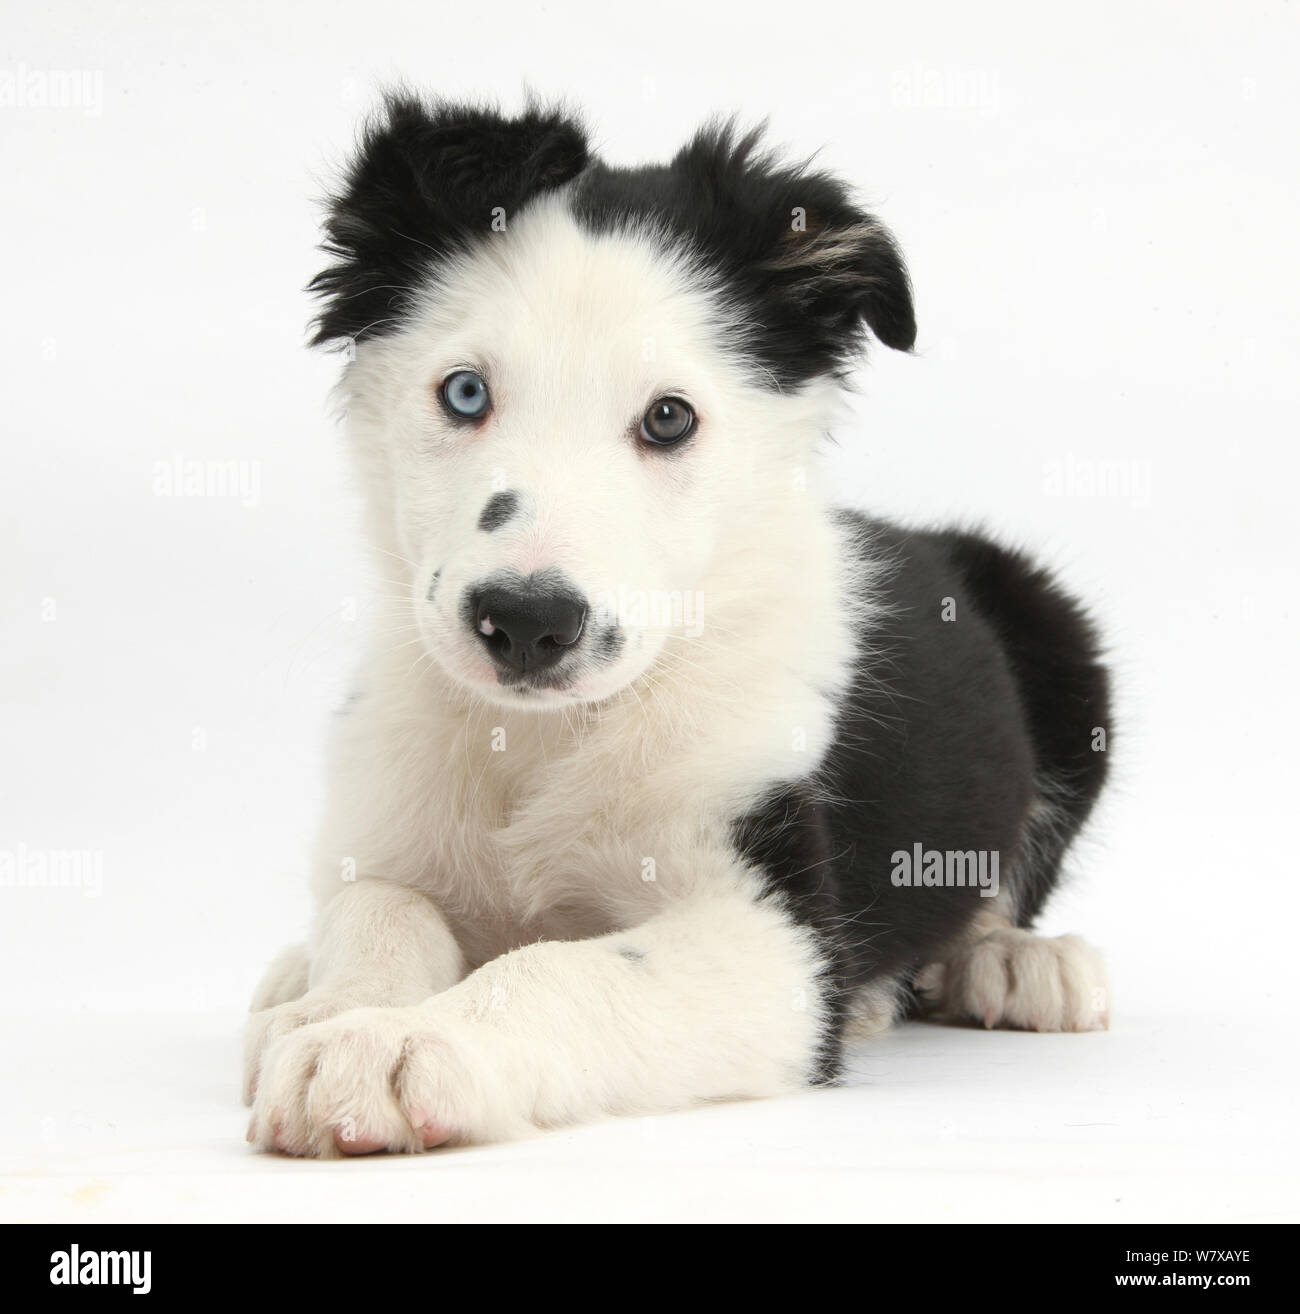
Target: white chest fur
[[525, 825]]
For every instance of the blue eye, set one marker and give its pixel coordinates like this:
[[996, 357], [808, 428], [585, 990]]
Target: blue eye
[[466, 394]]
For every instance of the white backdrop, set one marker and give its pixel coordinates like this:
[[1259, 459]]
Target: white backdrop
[[1100, 210]]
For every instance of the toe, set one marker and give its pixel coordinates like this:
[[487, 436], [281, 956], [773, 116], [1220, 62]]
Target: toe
[[356, 1145], [432, 1135]]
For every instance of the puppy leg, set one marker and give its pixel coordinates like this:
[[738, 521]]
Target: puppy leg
[[285, 980], [376, 943], [875, 1007], [721, 997], [1008, 977]]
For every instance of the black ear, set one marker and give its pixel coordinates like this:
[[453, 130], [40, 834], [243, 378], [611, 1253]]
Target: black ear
[[815, 267], [426, 180]]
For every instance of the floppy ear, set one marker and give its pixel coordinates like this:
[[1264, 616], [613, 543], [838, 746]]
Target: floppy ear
[[426, 180], [815, 266], [843, 263]]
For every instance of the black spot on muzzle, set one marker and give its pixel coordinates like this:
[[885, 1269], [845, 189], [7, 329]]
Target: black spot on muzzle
[[500, 507]]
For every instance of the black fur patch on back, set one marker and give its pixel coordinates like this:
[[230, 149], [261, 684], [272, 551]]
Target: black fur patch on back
[[1054, 653], [424, 183], [978, 680]]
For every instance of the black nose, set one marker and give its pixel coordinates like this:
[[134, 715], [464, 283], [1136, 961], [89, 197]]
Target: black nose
[[528, 628]]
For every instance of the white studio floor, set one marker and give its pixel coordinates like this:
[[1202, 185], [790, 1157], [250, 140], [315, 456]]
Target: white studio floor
[[134, 1118]]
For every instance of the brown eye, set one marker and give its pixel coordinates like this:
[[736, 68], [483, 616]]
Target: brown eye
[[668, 421]]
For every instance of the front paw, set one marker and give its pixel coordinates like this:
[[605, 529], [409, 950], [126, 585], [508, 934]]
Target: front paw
[[265, 1028], [395, 1079]]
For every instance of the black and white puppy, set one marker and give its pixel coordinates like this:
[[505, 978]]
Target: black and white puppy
[[662, 771]]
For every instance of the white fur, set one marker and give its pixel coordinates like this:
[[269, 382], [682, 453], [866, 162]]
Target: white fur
[[711, 1001], [1002, 976], [484, 856]]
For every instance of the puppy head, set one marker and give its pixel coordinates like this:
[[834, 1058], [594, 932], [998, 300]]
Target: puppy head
[[577, 390]]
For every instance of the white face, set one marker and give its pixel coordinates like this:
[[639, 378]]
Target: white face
[[557, 550]]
